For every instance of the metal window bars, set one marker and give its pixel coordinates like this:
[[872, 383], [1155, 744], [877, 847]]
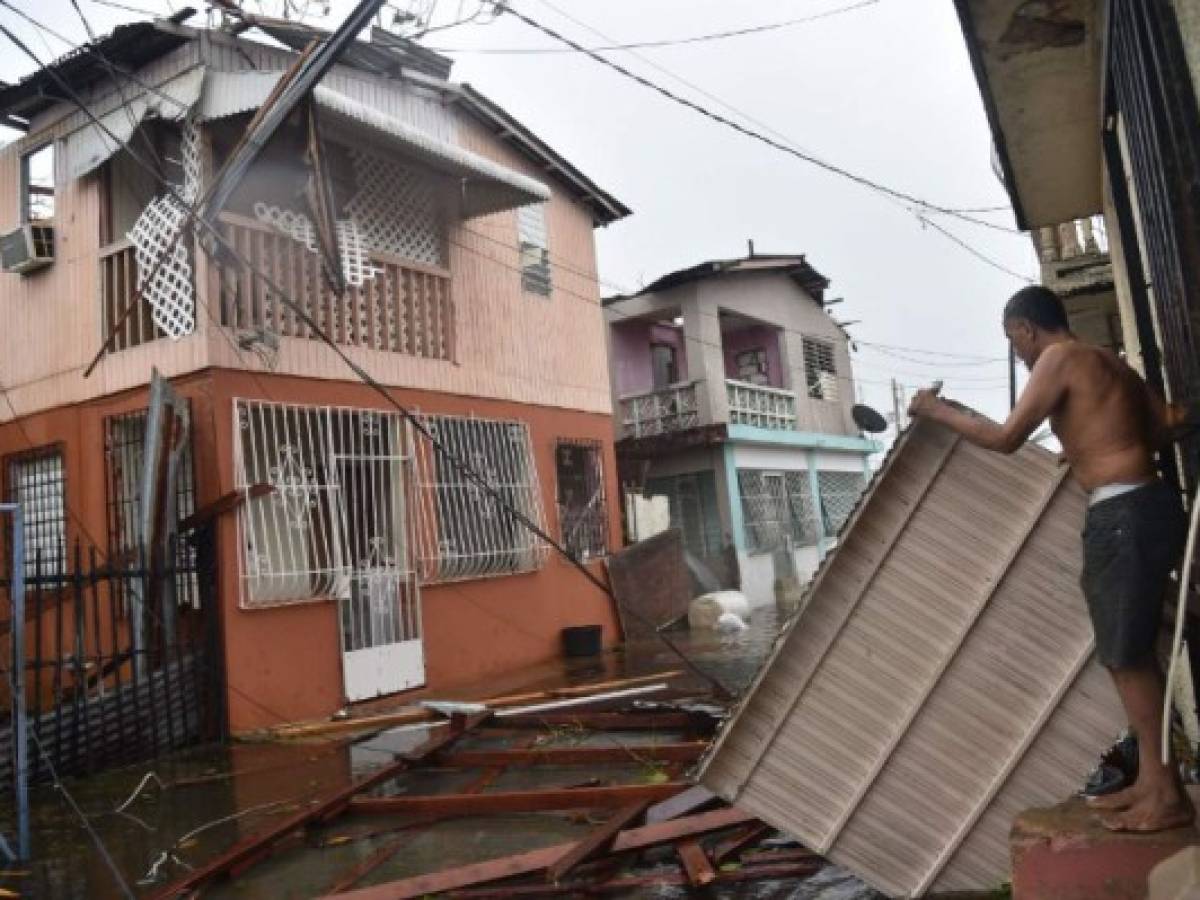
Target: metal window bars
[[820, 371], [36, 482], [124, 449], [463, 532], [839, 495], [582, 511], [776, 507]]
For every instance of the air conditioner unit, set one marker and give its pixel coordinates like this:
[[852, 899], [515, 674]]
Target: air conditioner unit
[[27, 249]]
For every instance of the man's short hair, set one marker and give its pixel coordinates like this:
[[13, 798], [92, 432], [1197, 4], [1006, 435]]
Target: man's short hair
[[1038, 305]]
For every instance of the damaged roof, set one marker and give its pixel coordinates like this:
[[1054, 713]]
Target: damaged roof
[[792, 264], [132, 46], [939, 679]]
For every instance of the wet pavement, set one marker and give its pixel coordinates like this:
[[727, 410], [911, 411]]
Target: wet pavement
[[198, 803]]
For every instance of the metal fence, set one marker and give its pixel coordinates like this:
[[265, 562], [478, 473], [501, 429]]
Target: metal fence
[[94, 698]]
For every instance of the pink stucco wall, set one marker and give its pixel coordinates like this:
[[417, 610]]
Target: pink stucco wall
[[631, 354], [752, 338]]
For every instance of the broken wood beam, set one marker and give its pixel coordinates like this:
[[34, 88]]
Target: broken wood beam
[[700, 872], [535, 860], [515, 801], [739, 841], [252, 848], [223, 504], [572, 756], [602, 721], [596, 842]]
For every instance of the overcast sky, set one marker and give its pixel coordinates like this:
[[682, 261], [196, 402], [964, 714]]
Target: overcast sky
[[885, 90]]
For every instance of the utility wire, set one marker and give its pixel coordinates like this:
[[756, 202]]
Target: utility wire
[[759, 136], [676, 42], [925, 220]]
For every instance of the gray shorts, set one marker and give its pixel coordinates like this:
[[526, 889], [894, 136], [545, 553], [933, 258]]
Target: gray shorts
[[1131, 543]]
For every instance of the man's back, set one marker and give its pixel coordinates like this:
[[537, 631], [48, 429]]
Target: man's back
[[1104, 418]]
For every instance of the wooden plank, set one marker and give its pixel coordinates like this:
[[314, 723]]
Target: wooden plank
[[515, 801], [252, 846], [692, 800], [696, 865], [739, 841], [532, 861], [605, 721], [223, 504], [596, 842], [576, 756]]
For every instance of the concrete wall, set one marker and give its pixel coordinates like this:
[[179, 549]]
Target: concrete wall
[[285, 663]]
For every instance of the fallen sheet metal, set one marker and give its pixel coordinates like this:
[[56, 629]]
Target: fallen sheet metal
[[939, 680], [652, 578]]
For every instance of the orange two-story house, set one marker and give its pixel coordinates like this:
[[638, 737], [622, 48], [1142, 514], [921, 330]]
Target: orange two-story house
[[360, 561]]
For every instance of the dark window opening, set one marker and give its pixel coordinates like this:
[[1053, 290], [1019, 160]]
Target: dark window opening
[[582, 512]]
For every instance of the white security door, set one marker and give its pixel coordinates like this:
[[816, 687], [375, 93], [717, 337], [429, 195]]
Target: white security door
[[381, 613]]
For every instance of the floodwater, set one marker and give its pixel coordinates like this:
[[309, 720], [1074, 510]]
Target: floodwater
[[158, 820]]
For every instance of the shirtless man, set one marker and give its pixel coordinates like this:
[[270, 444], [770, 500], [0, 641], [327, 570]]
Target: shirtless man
[[1109, 424]]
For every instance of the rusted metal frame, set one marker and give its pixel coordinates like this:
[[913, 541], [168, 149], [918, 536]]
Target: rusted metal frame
[[884, 552], [248, 851], [571, 756], [935, 677], [535, 860], [696, 865], [515, 801], [597, 842], [739, 841]]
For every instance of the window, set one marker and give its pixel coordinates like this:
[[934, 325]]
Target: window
[[664, 364], [752, 366], [37, 185], [820, 373], [535, 255], [582, 513], [776, 507], [464, 531], [839, 495], [337, 498], [692, 507], [124, 446], [35, 480]]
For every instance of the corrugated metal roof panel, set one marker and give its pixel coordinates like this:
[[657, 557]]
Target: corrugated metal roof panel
[[940, 678]]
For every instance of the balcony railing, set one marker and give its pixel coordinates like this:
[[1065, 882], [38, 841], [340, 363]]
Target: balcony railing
[[660, 412], [118, 285], [406, 308], [763, 407]]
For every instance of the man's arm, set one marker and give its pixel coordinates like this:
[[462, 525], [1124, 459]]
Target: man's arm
[[1043, 392]]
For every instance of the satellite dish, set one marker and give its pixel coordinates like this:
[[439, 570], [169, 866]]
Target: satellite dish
[[868, 419]]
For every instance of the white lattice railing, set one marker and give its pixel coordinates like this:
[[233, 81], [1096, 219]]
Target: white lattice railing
[[406, 308], [660, 412], [764, 407]]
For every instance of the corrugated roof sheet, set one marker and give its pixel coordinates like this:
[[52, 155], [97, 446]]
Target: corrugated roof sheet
[[940, 678]]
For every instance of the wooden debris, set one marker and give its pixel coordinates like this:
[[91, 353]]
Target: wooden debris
[[535, 860], [596, 842], [254, 847], [515, 801], [739, 841], [604, 721], [692, 800], [573, 756], [696, 866]]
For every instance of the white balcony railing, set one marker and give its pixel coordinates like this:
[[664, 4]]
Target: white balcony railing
[[660, 412], [763, 407]]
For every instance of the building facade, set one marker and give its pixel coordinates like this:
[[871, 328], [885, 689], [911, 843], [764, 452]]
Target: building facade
[[361, 558], [733, 393]]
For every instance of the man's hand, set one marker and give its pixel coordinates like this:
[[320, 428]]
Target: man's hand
[[925, 401]]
